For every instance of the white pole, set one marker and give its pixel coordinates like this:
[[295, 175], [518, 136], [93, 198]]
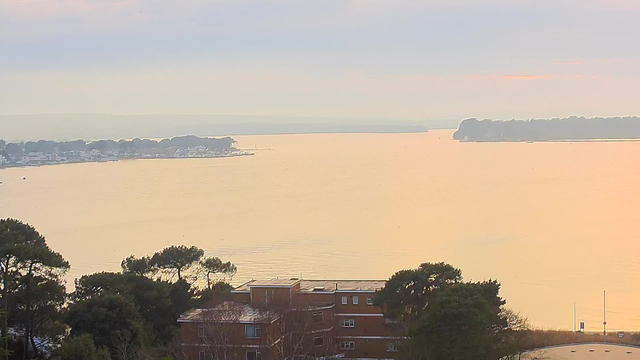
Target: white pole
[[604, 323]]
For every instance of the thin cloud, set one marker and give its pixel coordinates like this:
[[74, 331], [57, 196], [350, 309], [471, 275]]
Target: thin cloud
[[568, 62], [526, 77], [512, 77], [617, 5]]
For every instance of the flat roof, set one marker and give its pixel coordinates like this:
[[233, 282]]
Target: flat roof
[[273, 282], [228, 311], [317, 285]]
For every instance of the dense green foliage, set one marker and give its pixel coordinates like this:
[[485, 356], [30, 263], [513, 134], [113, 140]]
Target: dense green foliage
[[126, 315], [82, 348], [138, 266], [107, 318], [408, 292], [28, 268], [446, 318], [213, 266], [176, 259]]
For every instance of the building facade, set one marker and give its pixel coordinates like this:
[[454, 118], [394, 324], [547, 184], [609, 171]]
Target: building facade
[[292, 319]]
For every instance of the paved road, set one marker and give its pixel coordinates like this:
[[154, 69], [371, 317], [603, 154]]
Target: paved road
[[582, 352]]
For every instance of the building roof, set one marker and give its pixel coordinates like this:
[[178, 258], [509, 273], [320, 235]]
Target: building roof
[[318, 285], [273, 282], [228, 311], [342, 285]]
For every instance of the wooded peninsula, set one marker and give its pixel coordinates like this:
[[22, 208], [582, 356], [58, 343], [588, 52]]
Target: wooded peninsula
[[45, 152], [571, 128]]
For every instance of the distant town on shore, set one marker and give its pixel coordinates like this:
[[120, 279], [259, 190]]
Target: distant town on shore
[[44, 152], [571, 128]]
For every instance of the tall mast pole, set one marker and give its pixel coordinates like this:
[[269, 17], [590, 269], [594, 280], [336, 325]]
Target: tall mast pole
[[604, 322]]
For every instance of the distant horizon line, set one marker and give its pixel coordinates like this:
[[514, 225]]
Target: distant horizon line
[[445, 118]]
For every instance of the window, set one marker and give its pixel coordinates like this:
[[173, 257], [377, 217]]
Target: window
[[318, 317], [370, 301], [393, 346], [252, 331], [344, 300], [347, 345], [200, 330], [202, 355], [355, 300], [348, 323], [318, 341], [254, 355]]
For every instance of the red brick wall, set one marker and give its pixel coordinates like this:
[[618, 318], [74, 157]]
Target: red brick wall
[[361, 308], [234, 333], [237, 353], [368, 348], [275, 296], [364, 326], [310, 298]]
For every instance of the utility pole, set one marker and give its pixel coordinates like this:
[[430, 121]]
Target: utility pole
[[604, 322], [574, 317]]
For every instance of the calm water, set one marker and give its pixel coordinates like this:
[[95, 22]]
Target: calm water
[[554, 222]]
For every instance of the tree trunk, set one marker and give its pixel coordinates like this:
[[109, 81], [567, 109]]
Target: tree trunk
[[27, 320], [5, 310], [179, 277]]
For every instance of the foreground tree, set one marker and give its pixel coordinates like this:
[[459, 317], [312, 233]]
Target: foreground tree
[[448, 319], [213, 266], [176, 259], [462, 323], [108, 319], [218, 292], [81, 348], [45, 328], [407, 293], [159, 302], [518, 335], [139, 266], [24, 256]]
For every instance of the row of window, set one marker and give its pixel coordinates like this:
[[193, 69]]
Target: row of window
[[250, 331], [348, 323], [355, 300], [390, 346], [251, 355], [255, 331]]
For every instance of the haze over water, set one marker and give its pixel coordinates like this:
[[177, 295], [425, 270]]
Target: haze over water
[[553, 222]]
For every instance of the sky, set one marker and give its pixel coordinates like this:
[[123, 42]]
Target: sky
[[395, 59]]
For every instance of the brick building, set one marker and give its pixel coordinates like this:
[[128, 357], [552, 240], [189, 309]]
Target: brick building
[[292, 319]]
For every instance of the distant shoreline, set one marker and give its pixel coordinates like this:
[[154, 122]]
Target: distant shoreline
[[48, 152], [12, 166], [568, 129]]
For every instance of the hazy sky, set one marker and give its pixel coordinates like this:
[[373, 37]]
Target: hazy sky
[[413, 59]]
